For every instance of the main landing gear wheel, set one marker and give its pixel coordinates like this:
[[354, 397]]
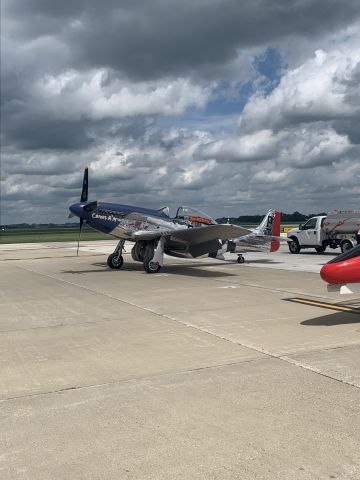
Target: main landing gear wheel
[[151, 267], [137, 252], [320, 249], [115, 261], [240, 259], [294, 246]]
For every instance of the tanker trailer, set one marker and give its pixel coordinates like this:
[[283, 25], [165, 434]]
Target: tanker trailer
[[336, 229]]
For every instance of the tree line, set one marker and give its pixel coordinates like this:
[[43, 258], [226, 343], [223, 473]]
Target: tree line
[[295, 217]]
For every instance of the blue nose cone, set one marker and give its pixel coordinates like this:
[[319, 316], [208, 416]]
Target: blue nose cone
[[77, 209]]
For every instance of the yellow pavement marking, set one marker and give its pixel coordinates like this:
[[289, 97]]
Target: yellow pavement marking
[[330, 306]]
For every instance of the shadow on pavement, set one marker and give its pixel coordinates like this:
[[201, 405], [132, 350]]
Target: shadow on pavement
[[332, 319], [184, 270], [195, 271], [316, 254], [264, 260]]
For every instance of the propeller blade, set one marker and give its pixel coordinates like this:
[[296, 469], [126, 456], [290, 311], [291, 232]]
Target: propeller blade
[[80, 228], [83, 198], [84, 193]]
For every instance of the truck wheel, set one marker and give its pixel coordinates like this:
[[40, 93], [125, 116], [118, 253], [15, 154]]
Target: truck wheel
[[345, 245], [294, 246], [320, 249]]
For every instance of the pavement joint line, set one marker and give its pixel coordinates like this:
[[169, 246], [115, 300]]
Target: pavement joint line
[[250, 347], [281, 357], [95, 322], [324, 349], [59, 325], [271, 289], [133, 379]]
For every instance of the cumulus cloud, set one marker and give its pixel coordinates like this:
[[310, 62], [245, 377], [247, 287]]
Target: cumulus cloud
[[230, 106], [249, 147], [162, 37], [301, 148], [323, 88], [307, 121], [96, 95]]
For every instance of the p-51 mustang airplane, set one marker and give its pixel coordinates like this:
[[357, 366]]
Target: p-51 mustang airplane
[[190, 234]]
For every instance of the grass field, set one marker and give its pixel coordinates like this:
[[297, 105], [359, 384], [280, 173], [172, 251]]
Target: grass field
[[38, 235]]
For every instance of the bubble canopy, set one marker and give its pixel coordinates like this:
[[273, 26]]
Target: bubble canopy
[[194, 215]]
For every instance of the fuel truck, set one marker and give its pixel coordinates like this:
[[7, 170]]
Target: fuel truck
[[336, 229]]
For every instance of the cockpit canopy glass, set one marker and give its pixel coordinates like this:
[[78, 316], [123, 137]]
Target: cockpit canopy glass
[[195, 216]]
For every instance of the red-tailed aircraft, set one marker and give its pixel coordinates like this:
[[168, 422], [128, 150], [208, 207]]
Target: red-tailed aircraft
[[190, 234], [343, 272]]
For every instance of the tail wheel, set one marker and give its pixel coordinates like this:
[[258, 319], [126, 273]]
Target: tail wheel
[[320, 249], [115, 261], [294, 246], [240, 259]]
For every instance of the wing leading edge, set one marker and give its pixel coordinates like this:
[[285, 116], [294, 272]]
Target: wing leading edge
[[195, 235]]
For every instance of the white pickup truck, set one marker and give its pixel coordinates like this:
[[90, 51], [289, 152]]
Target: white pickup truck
[[337, 229]]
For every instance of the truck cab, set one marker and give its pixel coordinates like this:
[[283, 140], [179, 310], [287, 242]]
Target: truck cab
[[309, 235]]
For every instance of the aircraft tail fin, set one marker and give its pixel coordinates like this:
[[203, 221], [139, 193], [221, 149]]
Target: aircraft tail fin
[[275, 244], [270, 224], [165, 210], [270, 227]]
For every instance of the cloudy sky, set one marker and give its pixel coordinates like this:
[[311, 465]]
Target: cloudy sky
[[228, 105]]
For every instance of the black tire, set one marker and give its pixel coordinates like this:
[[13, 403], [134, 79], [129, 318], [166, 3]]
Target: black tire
[[138, 251], [346, 245], [150, 266], [320, 249], [134, 254], [115, 261], [241, 259], [294, 246]]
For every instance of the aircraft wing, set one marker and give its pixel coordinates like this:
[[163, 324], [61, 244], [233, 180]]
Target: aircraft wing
[[146, 234], [194, 235], [212, 232]]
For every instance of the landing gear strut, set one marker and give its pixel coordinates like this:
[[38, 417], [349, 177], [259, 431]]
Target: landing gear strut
[[240, 259], [115, 260], [153, 260]]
